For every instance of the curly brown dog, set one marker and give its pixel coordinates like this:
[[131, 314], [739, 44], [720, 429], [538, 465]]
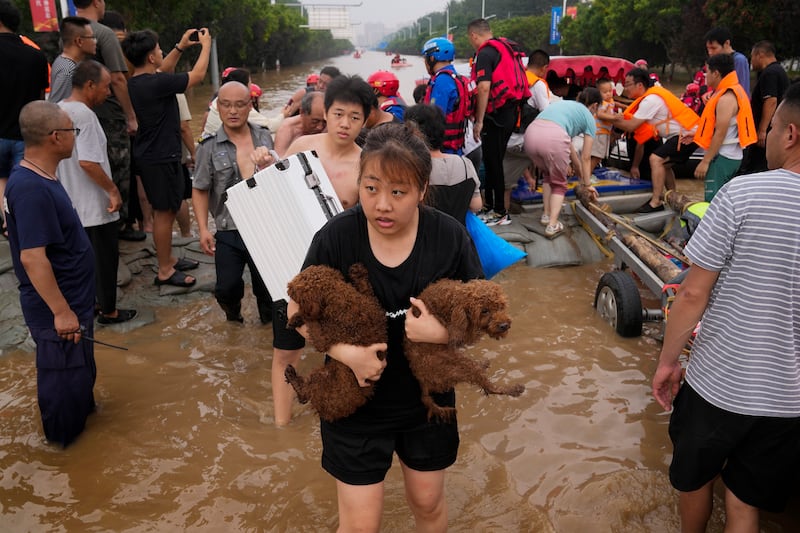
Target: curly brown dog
[[335, 312], [468, 311]]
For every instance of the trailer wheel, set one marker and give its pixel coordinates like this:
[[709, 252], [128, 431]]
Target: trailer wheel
[[618, 302]]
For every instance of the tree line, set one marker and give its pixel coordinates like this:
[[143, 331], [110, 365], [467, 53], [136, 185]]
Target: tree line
[[665, 32], [256, 33], [252, 33]]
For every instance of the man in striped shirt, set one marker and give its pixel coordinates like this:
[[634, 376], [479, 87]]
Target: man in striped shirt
[[737, 413]]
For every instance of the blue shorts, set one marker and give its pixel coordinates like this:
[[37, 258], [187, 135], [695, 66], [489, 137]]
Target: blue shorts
[[757, 456], [11, 152], [364, 459]]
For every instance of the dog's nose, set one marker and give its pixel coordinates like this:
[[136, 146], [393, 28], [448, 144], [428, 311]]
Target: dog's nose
[[503, 326]]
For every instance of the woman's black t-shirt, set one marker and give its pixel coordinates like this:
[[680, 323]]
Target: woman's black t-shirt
[[443, 249]]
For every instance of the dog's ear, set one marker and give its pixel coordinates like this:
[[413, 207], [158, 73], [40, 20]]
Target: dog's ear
[[457, 327]]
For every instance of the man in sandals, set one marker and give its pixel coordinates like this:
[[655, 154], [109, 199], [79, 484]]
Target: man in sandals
[[157, 146], [235, 152]]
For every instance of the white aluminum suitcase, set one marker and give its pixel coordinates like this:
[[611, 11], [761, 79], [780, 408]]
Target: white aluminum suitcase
[[277, 213]]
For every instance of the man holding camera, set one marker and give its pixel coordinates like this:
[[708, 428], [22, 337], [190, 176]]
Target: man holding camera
[[157, 146]]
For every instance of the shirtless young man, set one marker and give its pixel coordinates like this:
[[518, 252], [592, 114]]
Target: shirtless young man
[[348, 102], [347, 106]]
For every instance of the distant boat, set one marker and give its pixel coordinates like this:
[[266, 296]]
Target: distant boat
[[357, 54], [400, 63]]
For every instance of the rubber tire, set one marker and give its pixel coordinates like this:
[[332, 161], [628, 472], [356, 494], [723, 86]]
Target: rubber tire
[[618, 302]]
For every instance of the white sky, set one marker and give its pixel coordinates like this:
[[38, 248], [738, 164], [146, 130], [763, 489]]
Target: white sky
[[389, 12]]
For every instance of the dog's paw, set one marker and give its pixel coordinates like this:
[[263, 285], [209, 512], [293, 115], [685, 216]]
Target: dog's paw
[[291, 375]]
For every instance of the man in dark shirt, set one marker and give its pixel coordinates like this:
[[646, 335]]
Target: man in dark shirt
[[157, 145], [54, 263], [771, 83], [495, 112], [27, 67]]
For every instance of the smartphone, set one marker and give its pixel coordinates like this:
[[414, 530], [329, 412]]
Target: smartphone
[[195, 36]]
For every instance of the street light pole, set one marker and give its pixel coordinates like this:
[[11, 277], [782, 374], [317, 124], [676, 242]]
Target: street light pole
[[430, 31]]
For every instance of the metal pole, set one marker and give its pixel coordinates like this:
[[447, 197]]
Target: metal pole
[[430, 31], [214, 61], [483, 8]]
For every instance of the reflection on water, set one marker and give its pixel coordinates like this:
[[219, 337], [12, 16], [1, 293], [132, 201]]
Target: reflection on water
[[184, 436]]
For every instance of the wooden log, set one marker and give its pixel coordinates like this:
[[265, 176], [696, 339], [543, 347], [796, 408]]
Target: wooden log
[[678, 202], [652, 257]]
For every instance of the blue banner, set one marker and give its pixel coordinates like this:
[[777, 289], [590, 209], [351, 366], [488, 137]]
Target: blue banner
[[555, 19]]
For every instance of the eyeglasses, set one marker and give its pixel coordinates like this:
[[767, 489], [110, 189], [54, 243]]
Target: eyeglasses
[[92, 37], [76, 131], [628, 84], [228, 105]]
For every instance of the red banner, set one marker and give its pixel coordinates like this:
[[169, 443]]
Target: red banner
[[44, 15]]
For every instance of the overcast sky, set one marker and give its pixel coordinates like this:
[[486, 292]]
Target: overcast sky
[[390, 12]]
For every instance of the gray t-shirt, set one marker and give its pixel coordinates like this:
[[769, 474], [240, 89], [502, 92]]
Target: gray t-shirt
[[746, 358], [216, 170], [90, 201], [109, 53]]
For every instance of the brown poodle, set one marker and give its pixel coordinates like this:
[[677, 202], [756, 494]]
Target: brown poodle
[[468, 311], [335, 312]]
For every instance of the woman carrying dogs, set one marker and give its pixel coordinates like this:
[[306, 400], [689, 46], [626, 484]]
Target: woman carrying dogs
[[405, 246]]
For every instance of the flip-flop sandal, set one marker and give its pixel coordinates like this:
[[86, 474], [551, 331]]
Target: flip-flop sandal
[[186, 264], [177, 279]]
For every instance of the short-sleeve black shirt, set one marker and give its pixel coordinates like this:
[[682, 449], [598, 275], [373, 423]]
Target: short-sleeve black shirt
[[158, 139], [443, 249], [771, 82]]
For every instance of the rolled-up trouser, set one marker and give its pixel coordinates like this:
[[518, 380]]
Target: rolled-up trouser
[[230, 258]]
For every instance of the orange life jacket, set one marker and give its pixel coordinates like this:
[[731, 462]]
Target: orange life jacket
[[603, 127], [533, 78], [744, 117], [676, 110]]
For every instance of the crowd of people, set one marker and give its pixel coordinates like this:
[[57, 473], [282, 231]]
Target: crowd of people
[[69, 163]]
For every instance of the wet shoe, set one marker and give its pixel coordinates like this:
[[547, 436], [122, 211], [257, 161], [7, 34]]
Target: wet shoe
[[230, 317], [178, 279], [545, 220], [123, 315], [499, 220], [647, 208], [553, 231], [130, 234], [486, 214], [186, 264]]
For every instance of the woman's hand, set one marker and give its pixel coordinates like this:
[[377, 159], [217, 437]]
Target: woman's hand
[[425, 327], [364, 361]]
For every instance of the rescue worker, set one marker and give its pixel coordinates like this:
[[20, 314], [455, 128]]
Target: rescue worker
[[449, 91], [386, 87]]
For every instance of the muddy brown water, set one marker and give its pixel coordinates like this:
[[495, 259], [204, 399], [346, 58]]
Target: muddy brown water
[[184, 439]]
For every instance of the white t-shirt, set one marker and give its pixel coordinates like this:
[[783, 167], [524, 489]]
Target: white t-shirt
[[90, 201], [540, 95], [653, 109]]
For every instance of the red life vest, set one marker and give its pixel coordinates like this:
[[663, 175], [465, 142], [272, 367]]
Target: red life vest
[[509, 81], [455, 120]]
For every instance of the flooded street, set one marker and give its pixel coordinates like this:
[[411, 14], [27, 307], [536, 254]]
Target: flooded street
[[184, 439]]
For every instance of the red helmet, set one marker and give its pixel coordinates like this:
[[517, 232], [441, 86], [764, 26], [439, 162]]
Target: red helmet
[[255, 91], [312, 79], [384, 83]]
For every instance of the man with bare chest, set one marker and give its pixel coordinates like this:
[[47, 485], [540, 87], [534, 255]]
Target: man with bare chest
[[347, 106], [348, 101], [235, 152]]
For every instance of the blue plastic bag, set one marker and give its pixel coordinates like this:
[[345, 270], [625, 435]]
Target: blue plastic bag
[[495, 252]]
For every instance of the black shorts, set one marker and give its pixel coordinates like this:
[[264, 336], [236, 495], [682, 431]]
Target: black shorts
[[284, 338], [163, 184], [757, 456], [364, 459], [673, 152], [187, 182]]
